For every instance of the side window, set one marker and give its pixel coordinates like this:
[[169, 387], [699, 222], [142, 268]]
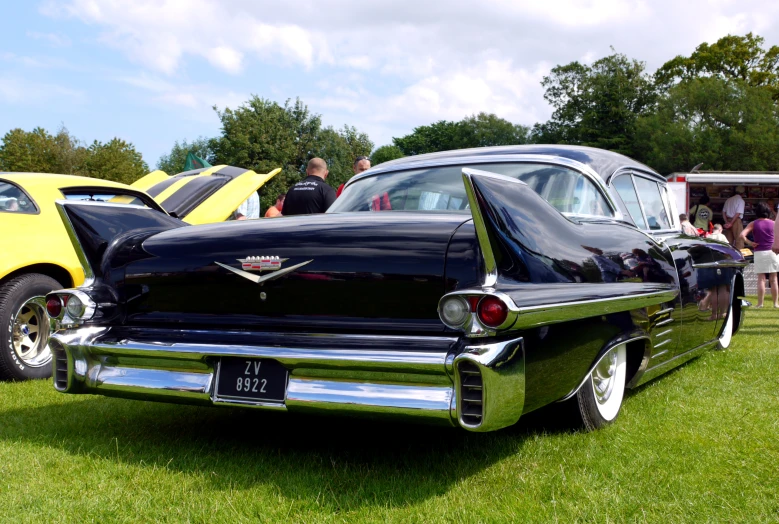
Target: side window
[[624, 186], [670, 205], [14, 200], [652, 202]]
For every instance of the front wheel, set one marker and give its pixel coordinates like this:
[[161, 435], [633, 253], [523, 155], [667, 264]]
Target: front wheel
[[600, 398], [24, 324]]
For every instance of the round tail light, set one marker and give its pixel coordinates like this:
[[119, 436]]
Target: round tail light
[[54, 306], [454, 311], [492, 311]]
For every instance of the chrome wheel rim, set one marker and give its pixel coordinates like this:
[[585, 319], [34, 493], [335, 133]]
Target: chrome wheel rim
[[604, 376], [30, 333]]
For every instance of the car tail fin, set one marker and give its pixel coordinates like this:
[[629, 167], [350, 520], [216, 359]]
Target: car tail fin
[[92, 226], [514, 224]]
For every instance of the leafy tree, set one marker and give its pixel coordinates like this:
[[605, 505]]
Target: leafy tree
[[173, 162], [339, 149], [385, 154], [726, 124], [484, 130], [115, 160], [39, 152], [263, 135], [731, 58], [474, 131], [597, 105]]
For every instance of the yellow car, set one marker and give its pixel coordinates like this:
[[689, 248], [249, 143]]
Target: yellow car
[[36, 255]]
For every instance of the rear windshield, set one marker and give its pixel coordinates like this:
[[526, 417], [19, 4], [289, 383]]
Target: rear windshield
[[112, 197], [441, 189]]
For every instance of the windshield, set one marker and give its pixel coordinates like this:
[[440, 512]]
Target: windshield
[[441, 189]]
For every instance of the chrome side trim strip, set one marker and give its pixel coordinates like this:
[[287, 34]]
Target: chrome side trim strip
[[533, 316], [721, 264], [660, 354], [666, 332], [488, 256], [664, 311], [663, 343], [664, 322]]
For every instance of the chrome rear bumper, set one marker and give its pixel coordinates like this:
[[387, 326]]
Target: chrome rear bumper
[[479, 387]]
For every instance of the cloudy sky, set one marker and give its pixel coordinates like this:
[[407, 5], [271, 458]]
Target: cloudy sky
[[149, 71]]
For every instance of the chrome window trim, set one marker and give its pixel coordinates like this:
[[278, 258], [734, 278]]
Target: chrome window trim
[[89, 275], [470, 161]]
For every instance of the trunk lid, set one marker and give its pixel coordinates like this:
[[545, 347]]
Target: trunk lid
[[355, 271]]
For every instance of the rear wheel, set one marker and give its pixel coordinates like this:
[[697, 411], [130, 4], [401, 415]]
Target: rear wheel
[[600, 398], [24, 324]]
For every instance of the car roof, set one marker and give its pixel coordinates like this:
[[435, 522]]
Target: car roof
[[602, 162], [32, 180]]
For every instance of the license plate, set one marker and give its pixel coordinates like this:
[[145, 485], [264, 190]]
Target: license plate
[[251, 379]]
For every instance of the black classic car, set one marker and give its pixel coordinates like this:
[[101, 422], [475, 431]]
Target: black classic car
[[465, 287]]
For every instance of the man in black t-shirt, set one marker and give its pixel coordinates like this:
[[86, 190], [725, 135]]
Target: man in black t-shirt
[[310, 195]]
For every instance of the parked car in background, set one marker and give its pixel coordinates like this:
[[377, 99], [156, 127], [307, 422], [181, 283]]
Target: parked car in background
[[38, 257], [466, 287]]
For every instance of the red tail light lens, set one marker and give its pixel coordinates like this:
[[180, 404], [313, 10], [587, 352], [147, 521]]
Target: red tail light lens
[[54, 306], [492, 311]]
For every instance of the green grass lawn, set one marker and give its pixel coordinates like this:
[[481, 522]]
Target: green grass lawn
[[700, 444]]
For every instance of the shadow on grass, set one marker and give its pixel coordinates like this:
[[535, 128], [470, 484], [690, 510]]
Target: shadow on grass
[[341, 462]]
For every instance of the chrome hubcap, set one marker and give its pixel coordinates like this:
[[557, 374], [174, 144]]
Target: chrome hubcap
[[603, 377], [30, 334]]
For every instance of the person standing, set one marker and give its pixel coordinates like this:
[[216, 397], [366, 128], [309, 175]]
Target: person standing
[[701, 214], [361, 163], [249, 209], [275, 209], [733, 212], [766, 261], [310, 195]]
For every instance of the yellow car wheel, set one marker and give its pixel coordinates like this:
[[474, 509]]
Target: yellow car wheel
[[24, 345]]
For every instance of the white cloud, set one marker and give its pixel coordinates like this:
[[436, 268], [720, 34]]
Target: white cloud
[[160, 34], [391, 65]]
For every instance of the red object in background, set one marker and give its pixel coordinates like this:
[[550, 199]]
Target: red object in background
[[339, 190], [381, 203]]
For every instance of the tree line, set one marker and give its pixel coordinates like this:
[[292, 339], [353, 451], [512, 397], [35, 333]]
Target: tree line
[[719, 106]]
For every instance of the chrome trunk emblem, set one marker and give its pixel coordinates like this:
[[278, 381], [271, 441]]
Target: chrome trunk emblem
[[261, 263], [269, 261]]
